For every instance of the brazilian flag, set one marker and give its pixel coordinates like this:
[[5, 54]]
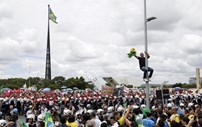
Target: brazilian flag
[[22, 123], [49, 120], [132, 53], [51, 15], [1, 91]]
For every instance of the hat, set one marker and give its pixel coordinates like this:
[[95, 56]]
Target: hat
[[67, 112], [120, 109], [15, 111], [190, 105], [143, 106], [31, 116], [110, 109], [40, 118], [135, 106], [169, 105], [90, 111], [2, 123], [100, 110], [153, 107], [181, 104]]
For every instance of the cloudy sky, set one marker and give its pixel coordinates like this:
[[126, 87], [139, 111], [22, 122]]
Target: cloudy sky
[[94, 36]]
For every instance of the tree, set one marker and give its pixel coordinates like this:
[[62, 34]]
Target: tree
[[177, 85], [17, 82], [78, 82], [55, 83], [59, 80], [33, 81]]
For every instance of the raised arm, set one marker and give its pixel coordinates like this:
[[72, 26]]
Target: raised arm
[[136, 56], [128, 122], [146, 53]]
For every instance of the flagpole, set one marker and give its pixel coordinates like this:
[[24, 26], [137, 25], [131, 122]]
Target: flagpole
[[48, 57]]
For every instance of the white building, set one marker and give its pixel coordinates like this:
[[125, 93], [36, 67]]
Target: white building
[[192, 80]]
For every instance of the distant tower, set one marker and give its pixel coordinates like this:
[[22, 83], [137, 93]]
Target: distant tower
[[48, 57], [48, 53], [198, 85], [52, 17]]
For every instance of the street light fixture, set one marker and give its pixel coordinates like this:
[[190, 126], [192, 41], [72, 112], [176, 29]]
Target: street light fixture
[[146, 50], [151, 18]]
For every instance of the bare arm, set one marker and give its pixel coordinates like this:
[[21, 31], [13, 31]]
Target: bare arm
[[128, 122], [146, 53], [136, 56]]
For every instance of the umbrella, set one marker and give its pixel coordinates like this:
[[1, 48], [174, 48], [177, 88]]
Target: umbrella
[[68, 89], [64, 93], [75, 88], [46, 90], [178, 88], [63, 87], [5, 89], [57, 90]]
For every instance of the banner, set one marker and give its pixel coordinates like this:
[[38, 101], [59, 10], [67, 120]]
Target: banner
[[107, 90]]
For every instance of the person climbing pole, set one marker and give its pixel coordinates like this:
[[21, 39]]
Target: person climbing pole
[[141, 59]]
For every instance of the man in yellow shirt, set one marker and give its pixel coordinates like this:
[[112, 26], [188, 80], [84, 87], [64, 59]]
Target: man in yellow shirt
[[119, 118], [71, 121]]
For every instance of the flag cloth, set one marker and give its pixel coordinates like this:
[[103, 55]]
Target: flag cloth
[[132, 53], [1, 91], [48, 120], [51, 15], [25, 85], [22, 123]]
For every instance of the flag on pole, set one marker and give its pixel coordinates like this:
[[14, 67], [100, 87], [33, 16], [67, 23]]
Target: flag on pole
[[22, 123], [48, 120], [25, 85], [51, 15], [1, 91]]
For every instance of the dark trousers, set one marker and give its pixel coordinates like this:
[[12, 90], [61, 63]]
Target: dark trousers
[[150, 70]]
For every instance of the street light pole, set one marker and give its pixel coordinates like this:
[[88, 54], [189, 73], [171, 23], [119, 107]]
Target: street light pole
[[146, 50], [146, 58]]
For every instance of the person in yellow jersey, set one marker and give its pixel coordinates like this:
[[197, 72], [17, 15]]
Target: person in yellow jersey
[[71, 121], [175, 118], [119, 118]]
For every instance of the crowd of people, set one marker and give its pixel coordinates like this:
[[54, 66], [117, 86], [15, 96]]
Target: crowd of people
[[93, 109]]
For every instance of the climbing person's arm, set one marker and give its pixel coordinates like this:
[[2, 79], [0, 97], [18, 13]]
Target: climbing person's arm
[[146, 53], [136, 56]]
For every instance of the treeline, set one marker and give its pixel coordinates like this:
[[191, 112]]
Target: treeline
[[55, 83], [184, 85]]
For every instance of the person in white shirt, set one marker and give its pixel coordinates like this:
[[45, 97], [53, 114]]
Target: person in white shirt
[[96, 119], [113, 122]]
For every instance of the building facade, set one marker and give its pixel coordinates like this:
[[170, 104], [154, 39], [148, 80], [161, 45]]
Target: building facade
[[192, 80]]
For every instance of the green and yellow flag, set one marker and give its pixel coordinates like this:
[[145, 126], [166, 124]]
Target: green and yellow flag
[[22, 123], [51, 15], [48, 120], [132, 53], [1, 89]]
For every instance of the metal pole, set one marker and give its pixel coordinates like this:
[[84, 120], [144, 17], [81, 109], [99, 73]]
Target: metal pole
[[146, 59], [162, 96]]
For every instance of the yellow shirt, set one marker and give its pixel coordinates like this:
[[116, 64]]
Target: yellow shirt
[[72, 124], [121, 120], [175, 117], [191, 116]]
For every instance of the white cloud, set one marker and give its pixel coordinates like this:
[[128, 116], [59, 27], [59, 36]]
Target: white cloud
[[93, 38]]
